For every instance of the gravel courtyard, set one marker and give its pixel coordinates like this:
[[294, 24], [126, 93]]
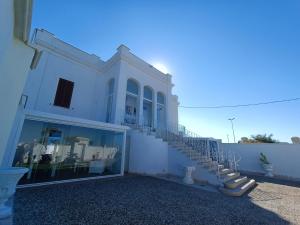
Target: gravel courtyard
[[147, 200]]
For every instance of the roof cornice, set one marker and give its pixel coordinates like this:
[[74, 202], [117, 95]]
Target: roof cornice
[[47, 40], [123, 53]]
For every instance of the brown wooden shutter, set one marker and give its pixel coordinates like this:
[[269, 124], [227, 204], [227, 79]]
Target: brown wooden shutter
[[64, 93]]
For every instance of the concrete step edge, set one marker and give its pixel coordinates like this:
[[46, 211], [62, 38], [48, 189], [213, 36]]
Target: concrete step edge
[[239, 191], [234, 183]]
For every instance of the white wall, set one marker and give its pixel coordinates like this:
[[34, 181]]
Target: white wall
[[88, 89], [15, 60], [177, 162], [284, 157], [61, 60], [147, 155], [145, 75]]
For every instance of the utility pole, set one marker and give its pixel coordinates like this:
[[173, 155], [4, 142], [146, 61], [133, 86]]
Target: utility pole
[[231, 120]]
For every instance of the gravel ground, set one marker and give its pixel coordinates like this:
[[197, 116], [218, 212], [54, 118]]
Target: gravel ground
[[147, 200]]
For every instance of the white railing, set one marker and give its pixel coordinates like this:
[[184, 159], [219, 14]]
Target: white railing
[[192, 143]]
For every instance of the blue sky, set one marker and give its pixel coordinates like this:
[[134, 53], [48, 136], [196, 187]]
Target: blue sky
[[219, 53]]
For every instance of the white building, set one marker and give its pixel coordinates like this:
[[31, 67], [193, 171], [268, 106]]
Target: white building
[[16, 58], [84, 117], [78, 108], [123, 89]]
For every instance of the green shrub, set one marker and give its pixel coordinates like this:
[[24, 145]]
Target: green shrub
[[263, 158]]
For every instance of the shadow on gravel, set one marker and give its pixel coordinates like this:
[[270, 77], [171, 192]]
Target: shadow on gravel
[[134, 200], [274, 180]]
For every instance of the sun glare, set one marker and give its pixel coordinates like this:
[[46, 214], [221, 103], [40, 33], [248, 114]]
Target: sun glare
[[161, 67]]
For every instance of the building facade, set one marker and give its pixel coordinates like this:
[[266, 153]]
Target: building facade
[[122, 90], [79, 108]]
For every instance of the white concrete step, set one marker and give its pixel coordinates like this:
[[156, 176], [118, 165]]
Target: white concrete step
[[240, 190], [177, 146], [195, 158], [213, 168], [216, 167], [232, 184], [203, 162], [225, 171], [187, 151], [221, 166], [230, 176]]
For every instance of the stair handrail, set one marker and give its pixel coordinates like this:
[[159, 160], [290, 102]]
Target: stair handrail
[[178, 134]]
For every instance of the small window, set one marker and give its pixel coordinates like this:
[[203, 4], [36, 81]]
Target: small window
[[64, 93]]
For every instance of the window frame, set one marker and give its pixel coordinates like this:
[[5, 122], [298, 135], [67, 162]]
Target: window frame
[[64, 93]]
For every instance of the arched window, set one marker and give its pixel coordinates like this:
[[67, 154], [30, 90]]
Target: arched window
[[148, 93], [161, 111], [110, 97], [160, 98], [111, 85], [132, 87], [131, 104], [148, 106]]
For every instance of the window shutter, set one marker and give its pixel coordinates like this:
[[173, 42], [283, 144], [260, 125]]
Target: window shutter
[[64, 93]]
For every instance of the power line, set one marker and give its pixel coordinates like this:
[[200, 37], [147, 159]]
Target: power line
[[241, 105]]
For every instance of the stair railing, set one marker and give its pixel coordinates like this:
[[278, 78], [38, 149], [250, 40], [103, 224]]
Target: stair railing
[[207, 148]]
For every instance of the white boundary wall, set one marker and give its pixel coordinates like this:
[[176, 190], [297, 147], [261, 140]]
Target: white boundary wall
[[284, 157]]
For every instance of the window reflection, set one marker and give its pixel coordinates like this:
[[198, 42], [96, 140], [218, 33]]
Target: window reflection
[[56, 152]]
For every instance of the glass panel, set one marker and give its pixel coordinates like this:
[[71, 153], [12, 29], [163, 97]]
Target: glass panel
[[161, 122], [111, 86], [132, 87], [58, 152], [160, 98], [148, 93], [109, 108], [130, 110], [147, 113]]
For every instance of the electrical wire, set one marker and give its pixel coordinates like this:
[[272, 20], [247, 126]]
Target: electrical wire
[[241, 105]]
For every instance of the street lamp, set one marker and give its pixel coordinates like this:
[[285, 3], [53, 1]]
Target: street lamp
[[231, 120]]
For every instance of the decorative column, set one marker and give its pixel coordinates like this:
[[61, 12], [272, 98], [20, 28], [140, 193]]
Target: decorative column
[[119, 99], [120, 86], [140, 105]]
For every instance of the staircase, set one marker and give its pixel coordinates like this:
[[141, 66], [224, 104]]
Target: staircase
[[206, 153]]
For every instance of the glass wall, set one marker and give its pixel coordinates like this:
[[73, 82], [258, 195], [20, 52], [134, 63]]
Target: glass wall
[[58, 152]]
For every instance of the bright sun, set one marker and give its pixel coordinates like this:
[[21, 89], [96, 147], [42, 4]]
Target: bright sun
[[161, 67]]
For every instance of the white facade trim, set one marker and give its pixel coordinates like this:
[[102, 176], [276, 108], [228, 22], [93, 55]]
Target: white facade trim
[[73, 121], [47, 40]]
